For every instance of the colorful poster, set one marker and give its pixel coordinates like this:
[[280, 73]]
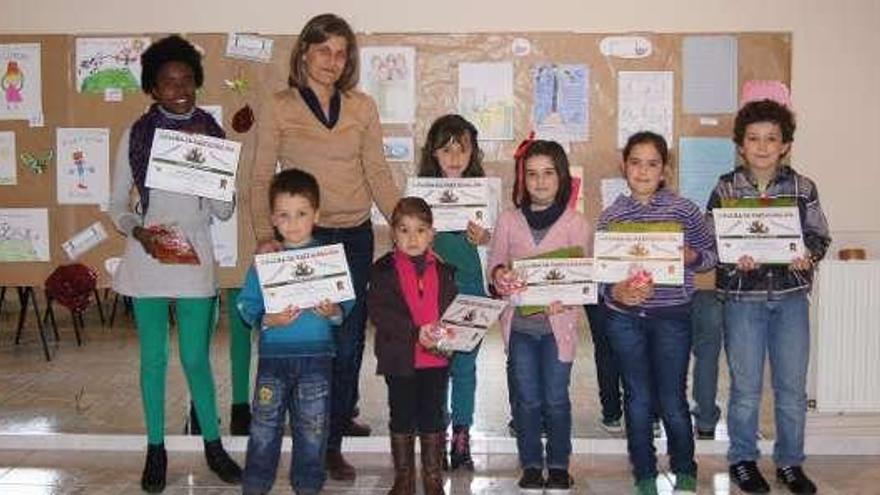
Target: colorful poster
[[398, 149], [21, 83], [224, 234], [561, 102], [83, 165], [109, 63], [388, 75], [644, 103], [8, 176], [24, 234], [485, 97]]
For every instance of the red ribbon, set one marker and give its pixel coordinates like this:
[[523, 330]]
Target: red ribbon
[[519, 157]]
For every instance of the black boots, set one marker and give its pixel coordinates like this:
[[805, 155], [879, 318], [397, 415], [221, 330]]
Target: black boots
[[460, 449], [220, 463], [240, 424], [153, 478], [403, 455]]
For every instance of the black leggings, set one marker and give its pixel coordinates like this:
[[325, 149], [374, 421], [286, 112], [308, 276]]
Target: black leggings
[[417, 402]]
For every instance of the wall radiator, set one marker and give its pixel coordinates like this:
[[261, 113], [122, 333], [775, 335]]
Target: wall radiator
[[846, 338]]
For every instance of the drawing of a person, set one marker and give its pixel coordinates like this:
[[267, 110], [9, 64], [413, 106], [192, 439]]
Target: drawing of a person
[[12, 82], [79, 159]]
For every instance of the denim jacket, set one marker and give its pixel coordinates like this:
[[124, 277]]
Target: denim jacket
[[769, 282]]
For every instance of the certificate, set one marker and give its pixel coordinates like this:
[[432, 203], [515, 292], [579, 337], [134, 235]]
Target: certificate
[[455, 202], [567, 280], [468, 318], [619, 255], [193, 164], [303, 277], [769, 235]]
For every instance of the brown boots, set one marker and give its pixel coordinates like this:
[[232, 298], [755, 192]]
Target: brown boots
[[403, 453], [432, 462]]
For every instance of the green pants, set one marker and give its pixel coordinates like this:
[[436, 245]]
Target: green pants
[[194, 319], [239, 350]]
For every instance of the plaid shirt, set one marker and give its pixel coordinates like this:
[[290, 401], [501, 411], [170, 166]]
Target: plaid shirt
[[771, 281]]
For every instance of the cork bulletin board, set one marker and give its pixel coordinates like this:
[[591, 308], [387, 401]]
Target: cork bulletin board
[[760, 56]]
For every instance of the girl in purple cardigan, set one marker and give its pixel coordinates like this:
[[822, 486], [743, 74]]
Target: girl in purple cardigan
[[540, 348]]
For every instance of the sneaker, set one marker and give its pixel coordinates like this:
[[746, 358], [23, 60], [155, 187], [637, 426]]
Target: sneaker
[[558, 481], [685, 483], [647, 486], [748, 478], [794, 478], [706, 434], [532, 481], [612, 426]]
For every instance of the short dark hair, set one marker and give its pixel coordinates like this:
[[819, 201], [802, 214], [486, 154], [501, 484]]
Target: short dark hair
[[648, 137], [763, 111], [170, 49], [451, 127], [318, 30], [411, 206], [554, 151], [295, 182]]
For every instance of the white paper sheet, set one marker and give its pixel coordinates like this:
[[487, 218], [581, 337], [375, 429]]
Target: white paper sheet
[[84, 240], [485, 98], [21, 83], [224, 234], [644, 103], [249, 47], [8, 171], [388, 75], [709, 77], [109, 63], [24, 234], [83, 158]]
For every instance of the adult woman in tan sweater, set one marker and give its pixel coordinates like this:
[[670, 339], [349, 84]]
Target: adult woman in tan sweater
[[323, 125]]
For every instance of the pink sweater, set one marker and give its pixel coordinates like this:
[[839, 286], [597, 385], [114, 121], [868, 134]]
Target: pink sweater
[[513, 239]]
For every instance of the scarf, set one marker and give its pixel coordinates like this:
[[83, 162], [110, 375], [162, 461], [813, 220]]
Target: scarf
[[421, 292], [141, 141], [540, 220]]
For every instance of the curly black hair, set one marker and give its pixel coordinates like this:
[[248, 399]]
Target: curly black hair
[[170, 49], [764, 111]]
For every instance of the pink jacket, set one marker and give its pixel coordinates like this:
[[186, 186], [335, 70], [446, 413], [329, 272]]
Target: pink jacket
[[512, 239]]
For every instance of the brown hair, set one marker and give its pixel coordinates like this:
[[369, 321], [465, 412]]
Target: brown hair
[[764, 111], [411, 206], [318, 30]]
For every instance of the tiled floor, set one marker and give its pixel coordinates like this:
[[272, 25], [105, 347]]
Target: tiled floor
[[94, 389]]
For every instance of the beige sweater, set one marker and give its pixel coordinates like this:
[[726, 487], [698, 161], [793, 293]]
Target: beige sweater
[[347, 160]]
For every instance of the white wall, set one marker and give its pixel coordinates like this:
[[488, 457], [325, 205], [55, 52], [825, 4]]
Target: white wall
[[836, 66]]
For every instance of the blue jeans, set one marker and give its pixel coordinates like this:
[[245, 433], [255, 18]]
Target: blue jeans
[[707, 323], [541, 396], [607, 373], [653, 355], [358, 243], [299, 386], [780, 328]]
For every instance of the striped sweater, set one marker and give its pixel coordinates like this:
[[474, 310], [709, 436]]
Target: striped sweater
[[665, 207]]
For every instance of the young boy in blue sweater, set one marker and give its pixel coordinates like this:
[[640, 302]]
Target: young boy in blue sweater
[[296, 355]]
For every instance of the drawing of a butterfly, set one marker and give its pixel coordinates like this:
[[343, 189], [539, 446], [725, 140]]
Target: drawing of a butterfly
[[37, 164]]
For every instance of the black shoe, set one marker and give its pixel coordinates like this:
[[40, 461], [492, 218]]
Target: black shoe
[[355, 429], [532, 480], [511, 428], [240, 423], [460, 452], [193, 427], [558, 481], [706, 434], [794, 478], [748, 478], [153, 478], [220, 463]]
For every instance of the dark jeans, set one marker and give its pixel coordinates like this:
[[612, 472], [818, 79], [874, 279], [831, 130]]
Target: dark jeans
[[358, 243], [653, 355], [607, 373], [300, 388], [417, 403], [541, 396]]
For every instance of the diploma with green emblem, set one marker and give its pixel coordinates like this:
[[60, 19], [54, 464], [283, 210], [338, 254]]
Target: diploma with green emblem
[[620, 255], [467, 319], [455, 202], [303, 277], [567, 280], [769, 235], [193, 164]]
